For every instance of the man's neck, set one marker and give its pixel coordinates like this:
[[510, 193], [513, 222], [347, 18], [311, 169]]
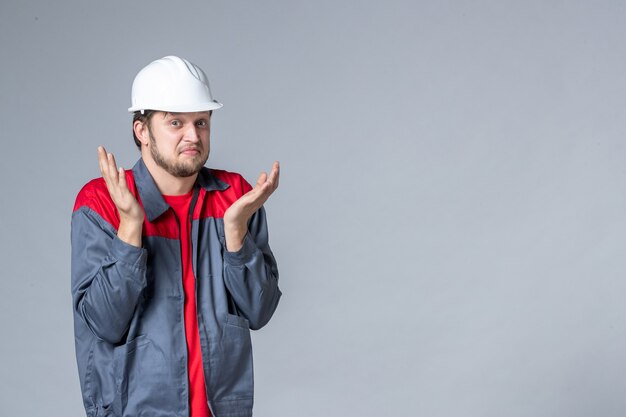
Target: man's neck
[[167, 183]]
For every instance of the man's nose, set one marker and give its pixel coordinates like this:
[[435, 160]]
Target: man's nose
[[191, 133]]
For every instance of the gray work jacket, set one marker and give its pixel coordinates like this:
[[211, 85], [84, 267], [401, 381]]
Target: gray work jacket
[[128, 301]]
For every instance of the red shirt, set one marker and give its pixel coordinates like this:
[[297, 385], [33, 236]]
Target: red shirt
[[198, 404]]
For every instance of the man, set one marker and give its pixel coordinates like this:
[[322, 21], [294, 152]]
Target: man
[[171, 266]]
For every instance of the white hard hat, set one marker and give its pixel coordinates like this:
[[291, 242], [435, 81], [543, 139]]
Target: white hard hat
[[172, 84]]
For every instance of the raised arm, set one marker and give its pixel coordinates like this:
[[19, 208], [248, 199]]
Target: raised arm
[[250, 270], [108, 264]]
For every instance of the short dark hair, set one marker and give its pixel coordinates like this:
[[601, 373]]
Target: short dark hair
[[145, 118]]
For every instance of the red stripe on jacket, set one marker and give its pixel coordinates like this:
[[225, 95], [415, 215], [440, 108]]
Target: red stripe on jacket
[[95, 195]]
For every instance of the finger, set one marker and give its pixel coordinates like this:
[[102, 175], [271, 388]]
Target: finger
[[121, 178], [272, 180], [110, 174], [104, 166], [262, 179], [265, 191], [275, 175], [102, 159], [111, 161], [113, 168]]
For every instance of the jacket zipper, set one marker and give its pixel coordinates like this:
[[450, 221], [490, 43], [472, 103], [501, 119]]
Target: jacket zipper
[[182, 310], [194, 262]]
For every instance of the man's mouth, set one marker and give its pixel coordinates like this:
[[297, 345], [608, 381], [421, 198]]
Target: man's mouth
[[190, 151]]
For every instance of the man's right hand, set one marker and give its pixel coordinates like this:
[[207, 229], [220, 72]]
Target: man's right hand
[[131, 213]]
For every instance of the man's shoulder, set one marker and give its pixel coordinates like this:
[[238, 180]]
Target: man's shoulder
[[236, 182], [95, 197], [94, 190]]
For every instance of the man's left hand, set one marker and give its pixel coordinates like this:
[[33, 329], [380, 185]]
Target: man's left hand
[[237, 216]]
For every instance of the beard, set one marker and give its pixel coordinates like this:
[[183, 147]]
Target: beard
[[178, 169]]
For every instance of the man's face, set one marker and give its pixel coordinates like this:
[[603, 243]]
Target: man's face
[[179, 142]]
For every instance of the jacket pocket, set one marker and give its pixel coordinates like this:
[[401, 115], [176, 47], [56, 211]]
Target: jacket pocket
[[237, 321], [143, 377], [233, 374]]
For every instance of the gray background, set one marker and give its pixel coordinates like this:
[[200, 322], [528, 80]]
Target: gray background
[[450, 224]]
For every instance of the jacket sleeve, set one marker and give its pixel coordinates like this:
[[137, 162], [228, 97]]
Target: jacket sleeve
[[108, 276], [251, 274]]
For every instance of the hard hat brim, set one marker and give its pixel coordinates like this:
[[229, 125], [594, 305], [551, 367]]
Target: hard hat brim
[[181, 108]]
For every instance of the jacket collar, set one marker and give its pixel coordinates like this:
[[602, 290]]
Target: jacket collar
[[153, 203]]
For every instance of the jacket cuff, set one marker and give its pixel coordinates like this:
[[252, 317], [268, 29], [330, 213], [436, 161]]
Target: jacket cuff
[[129, 254], [243, 255]]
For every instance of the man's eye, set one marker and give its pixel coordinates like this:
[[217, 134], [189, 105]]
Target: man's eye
[[201, 123], [175, 123]]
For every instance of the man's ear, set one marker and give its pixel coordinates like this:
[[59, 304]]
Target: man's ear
[[141, 131]]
